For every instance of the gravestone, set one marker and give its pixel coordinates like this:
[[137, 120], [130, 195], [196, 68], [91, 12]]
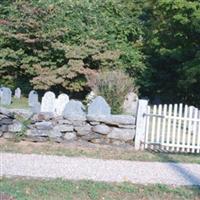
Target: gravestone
[[18, 93], [32, 98], [6, 96], [130, 104], [99, 107], [35, 108], [48, 102], [60, 103], [74, 108], [1, 92]]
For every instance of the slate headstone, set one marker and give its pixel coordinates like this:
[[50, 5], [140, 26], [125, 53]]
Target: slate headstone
[[48, 102], [74, 108], [32, 98], [99, 106], [6, 96], [61, 102], [18, 93]]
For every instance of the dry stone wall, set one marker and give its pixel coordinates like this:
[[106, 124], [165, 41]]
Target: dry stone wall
[[101, 129], [60, 119]]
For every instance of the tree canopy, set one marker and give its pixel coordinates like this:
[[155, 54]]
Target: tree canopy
[[61, 45]]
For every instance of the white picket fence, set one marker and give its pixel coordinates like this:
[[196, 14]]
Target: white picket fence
[[174, 128]]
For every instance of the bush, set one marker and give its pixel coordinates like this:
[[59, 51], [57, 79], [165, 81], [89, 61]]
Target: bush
[[114, 86]]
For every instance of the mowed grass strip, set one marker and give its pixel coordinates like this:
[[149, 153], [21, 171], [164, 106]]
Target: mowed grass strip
[[29, 189], [97, 151]]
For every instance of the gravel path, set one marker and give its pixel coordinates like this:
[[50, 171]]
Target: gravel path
[[43, 166]]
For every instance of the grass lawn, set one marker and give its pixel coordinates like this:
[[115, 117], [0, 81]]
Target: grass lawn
[[18, 103], [97, 151], [27, 189]]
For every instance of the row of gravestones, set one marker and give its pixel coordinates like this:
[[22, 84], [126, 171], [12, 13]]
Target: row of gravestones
[[6, 95], [57, 105], [63, 106]]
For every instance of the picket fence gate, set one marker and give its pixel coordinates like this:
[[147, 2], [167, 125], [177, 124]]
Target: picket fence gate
[[173, 128]]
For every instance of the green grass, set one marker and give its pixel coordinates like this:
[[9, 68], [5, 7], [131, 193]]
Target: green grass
[[101, 152], [18, 103], [27, 189]]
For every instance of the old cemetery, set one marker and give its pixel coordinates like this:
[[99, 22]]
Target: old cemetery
[[169, 128], [61, 119]]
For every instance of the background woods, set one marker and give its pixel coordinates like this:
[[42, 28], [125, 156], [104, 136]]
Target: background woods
[[63, 45]]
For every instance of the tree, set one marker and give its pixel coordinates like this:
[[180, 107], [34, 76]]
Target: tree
[[172, 47], [59, 45]]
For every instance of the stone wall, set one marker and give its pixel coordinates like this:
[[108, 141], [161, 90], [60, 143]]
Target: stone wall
[[101, 129]]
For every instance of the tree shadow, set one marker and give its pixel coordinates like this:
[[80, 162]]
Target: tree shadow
[[164, 155]]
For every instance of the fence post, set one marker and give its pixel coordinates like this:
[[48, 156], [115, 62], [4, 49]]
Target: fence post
[[141, 124]]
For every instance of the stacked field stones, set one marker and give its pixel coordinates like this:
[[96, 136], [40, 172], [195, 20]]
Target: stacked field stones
[[9, 126], [97, 125]]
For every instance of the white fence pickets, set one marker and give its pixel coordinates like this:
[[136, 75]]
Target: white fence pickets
[[173, 128], [147, 128], [179, 125]]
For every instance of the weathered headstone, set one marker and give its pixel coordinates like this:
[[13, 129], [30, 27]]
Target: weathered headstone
[[1, 92], [6, 96], [35, 108], [61, 102], [74, 108], [48, 102], [99, 107], [32, 98], [130, 104], [18, 93]]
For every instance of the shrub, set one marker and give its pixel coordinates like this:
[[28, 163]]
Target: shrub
[[114, 86]]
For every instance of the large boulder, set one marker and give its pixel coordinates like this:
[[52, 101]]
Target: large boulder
[[6, 112], [122, 134], [45, 116], [116, 120], [53, 133], [44, 125], [101, 129], [65, 128], [99, 106], [15, 127], [83, 130], [70, 136]]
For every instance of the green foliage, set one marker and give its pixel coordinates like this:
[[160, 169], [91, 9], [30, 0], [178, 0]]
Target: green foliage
[[114, 86], [59, 45], [172, 46]]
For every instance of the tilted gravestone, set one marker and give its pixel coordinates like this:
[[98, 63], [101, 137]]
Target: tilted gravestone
[[74, 108], [48, 102], [61, 102], [18, 93], [6, 96], [130, 104], [32, 98], [99, 106]]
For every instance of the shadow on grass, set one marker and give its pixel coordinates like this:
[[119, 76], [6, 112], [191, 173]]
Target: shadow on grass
[[189, 177]]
